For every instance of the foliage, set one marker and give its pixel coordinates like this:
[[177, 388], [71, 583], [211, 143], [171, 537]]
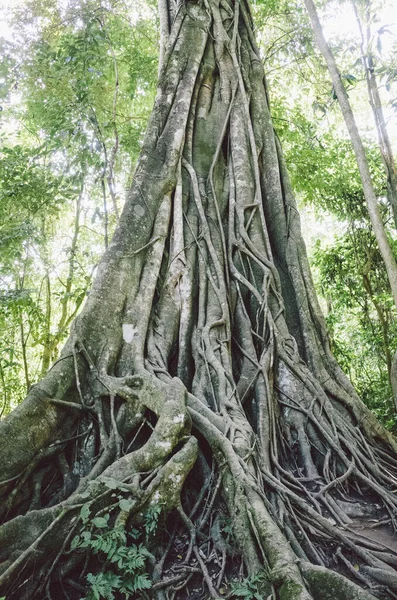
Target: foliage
[[76, 85], [323, 168], [152, 518], [250, 588], [361, 315], [29, 192], [324, 173], [121, 556]]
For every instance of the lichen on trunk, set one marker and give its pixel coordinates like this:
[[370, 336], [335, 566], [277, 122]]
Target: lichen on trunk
[[198, 378]]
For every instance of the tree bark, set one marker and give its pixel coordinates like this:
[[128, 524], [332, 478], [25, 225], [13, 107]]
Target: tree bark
[[198, 377]]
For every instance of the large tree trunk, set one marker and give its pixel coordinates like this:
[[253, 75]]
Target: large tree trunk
[[198, 377]]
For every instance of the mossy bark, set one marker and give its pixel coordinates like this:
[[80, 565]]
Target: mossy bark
[[199, 376]]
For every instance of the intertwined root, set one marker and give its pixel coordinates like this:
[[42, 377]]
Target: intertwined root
[[277, 518], [154, 473], [280, 520], [198, 378]]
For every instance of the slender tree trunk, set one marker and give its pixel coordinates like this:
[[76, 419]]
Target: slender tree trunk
[[383, 321], [23, 349], [48, 342], [5, 401], [198, 378], [369, 193], [385, 149], [110, 161], [52, 341], [23, 336], [377, 109]]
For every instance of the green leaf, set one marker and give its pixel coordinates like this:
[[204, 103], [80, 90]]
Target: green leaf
[[142, 582], [242, 592], [85, 513], [101, 522], [75, 543], [350, 78], [126, 505]]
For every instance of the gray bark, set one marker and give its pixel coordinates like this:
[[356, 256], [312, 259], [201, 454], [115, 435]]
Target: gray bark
[[199, 375]]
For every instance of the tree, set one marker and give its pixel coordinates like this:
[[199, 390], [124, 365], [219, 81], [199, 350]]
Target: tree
[[360, 315], [367, 57], [359, 150], [61, 169], [368, 187], [198, 381]]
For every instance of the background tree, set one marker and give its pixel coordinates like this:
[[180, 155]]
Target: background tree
[[80, 111], [322, 165], [359, 150], [368, 60]]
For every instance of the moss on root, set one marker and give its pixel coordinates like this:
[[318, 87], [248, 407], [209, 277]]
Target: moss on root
[[325, 584]]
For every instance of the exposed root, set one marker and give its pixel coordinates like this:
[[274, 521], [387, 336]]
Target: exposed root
[[198, 380]]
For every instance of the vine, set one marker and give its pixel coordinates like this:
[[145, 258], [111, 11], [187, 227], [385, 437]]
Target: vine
[[209, 388]]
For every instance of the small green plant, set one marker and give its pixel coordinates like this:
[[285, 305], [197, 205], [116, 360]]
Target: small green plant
[[122, 555], [152, 518], [103, 585], [250, 588]]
